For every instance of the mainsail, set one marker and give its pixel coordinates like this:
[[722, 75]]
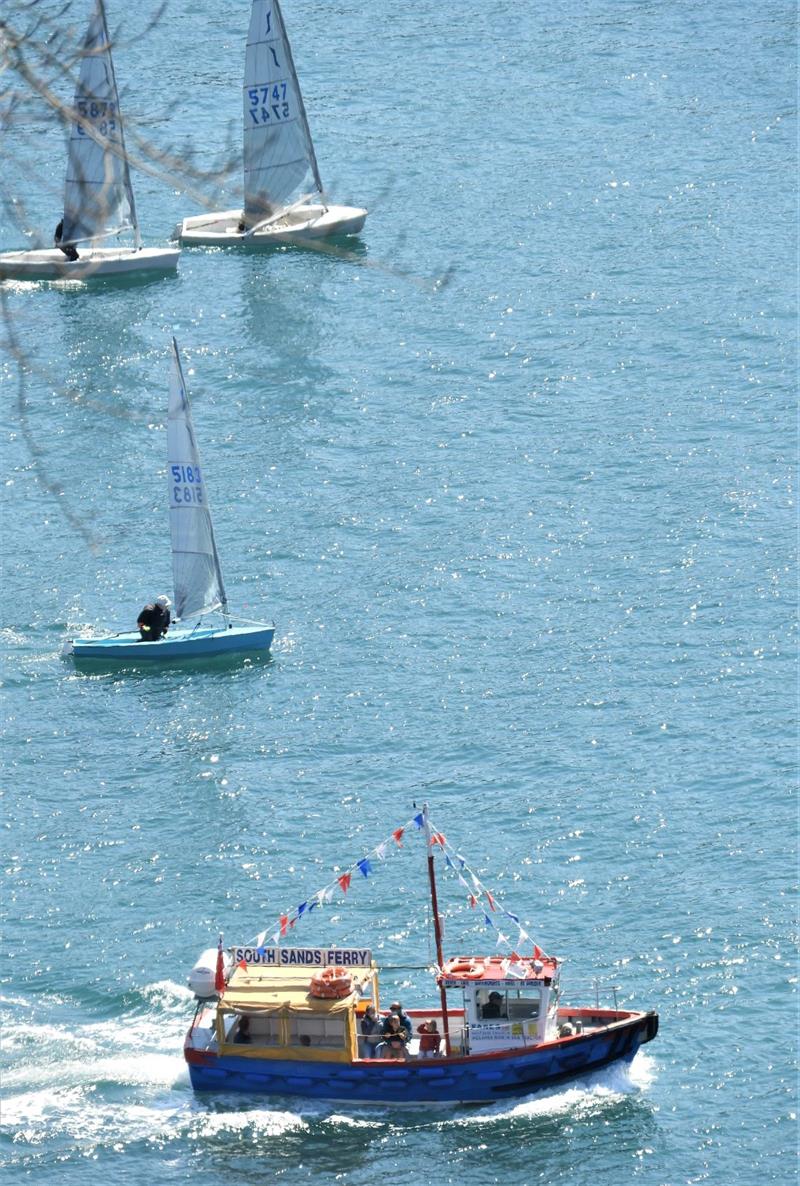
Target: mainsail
[[98, 199], [196, 572], [279, 162]]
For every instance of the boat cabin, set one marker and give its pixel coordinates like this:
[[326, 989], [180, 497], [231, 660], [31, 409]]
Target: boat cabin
[[295, 1010], [507, 1003]]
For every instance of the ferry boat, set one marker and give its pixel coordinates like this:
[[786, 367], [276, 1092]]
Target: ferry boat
[[278, 1020]]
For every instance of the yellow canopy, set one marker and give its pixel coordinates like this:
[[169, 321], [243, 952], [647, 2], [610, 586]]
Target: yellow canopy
[[261, 989]]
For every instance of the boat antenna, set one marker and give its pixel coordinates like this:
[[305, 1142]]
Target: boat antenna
[[437, 925]]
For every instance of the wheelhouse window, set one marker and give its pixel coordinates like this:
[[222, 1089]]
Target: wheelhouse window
[[510, 1004], [524, 1004]]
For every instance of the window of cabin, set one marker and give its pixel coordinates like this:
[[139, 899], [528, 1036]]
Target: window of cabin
[[252, 1031], [317, 1032], [523, 1003]]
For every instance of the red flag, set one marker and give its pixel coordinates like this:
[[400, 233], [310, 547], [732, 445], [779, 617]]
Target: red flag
[[397, 836], [490, 900], [284, 923], [537, 952], [515, 958], [473, 901], [438, 838], [344, 882], [219, 975], [242, 964]]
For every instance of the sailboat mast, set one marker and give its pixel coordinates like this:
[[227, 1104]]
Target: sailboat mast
[[137, 238], [437, 927]]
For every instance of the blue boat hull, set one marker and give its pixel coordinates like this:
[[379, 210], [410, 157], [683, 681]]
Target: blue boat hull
[[478, 1079], [200, 643]]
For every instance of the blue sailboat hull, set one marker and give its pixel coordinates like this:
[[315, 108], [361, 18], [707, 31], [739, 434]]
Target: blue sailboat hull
[[200, 643], [472, 1079]]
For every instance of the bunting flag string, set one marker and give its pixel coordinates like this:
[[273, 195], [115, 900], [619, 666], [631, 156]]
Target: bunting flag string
[[478, 892], [342, 881]]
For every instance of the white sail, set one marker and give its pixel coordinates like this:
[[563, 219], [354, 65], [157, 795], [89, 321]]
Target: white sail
[[196, 572], [279, 161], [98, 199]]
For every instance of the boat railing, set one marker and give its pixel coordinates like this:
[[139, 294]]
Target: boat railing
[[601, 991]]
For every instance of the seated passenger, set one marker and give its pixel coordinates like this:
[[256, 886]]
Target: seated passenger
[[493, 1007], [396, 1010], [429, 1039], [242, 1036], [370, 1033], [394, 1040]]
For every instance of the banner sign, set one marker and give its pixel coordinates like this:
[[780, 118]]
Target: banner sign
[[304, 957]]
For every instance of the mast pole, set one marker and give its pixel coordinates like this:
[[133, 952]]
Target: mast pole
[[437, 928]]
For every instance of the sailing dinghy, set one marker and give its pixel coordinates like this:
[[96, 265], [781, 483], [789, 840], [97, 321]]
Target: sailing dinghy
[[197, 575], [98, 197], [283, 192]]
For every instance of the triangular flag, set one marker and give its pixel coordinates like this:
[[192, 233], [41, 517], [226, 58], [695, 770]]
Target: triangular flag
[[537, 951], [344, 882], [397, 836], [419, 820], [473, 901], [501, 938], [365, 867], [438, 838], [284, 921], [261, 949], [301, 909], [275, 937], [219, 975], [515, 958], [242, 964], [448, 862], [487, 920], [380, 851], [490, 900], [460, 860], [513, 917]]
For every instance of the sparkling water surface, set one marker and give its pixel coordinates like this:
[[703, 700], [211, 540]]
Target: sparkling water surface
[[513, 473]]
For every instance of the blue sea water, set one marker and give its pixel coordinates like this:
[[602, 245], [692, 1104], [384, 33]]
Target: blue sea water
[[514, 476]]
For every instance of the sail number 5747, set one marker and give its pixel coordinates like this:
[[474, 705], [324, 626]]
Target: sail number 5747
[[268, 104]]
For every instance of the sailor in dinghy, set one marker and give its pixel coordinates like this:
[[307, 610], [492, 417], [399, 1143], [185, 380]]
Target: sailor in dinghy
[[98, 196], [199, 589], [283, 192]]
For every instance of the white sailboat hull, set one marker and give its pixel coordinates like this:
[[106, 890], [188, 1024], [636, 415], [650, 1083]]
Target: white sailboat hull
[[52, 264], [304, 222]]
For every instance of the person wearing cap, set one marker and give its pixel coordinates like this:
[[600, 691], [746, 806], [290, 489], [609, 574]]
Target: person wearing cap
[[493, 1007], [154, 620], [396, 1010]]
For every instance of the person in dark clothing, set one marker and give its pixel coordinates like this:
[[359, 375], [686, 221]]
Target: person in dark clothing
[[370, 1033], [243, 1032], [396, 1010], [69, 250], [154, 620], [493, 1007], [394, 1040]]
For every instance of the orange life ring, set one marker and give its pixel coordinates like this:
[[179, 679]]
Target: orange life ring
[[466, 969], [331, 984]]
